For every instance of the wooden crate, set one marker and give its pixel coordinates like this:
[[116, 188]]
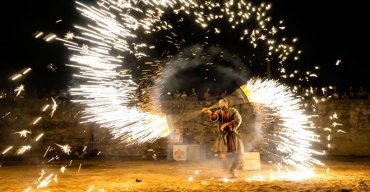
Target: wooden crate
[[251, 161]]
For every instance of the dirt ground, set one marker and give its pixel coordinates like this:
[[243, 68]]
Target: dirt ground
[[350, 174]]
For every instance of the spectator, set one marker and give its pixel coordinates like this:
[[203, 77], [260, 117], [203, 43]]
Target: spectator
[[345, 95], [316, 91], [187, 137], [183, 95], [177, 98], [224, 94], [194, 93], [335, 93], [206, 94], [362, 94], [178, 94], [351, 93]]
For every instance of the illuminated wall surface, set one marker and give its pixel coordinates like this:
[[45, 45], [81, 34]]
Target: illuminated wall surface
[[64, 128]]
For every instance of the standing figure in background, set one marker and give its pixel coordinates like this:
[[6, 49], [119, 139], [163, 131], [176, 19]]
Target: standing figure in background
[[206, 94], [224, 94]]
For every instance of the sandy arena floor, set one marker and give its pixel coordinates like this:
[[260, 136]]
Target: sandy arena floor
[[98, 175]]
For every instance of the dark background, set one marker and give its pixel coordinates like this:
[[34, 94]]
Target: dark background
[[326, 32]]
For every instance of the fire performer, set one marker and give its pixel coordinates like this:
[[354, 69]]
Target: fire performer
[[227, 141]]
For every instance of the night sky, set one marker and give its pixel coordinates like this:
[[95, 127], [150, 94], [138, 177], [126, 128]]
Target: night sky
[[326, 32]]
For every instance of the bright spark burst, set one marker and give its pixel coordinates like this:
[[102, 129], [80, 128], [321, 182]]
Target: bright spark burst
[[15, 77], [39, 34], [107, 91], [65, 148], [39, 137], [85, 48], [62, 169], [52, 67], [18, 90], [45, 107], [53, 107], [226, 180], [23, 133], [25, 71], [336, 124], [91, 188], [41, 175], [47, 150], [28, 189], [338, 62], [191, 178], [295, 137], [50, 37], [8, 113], [23, 149], [7, 149], [44, 183], [334, 116], [36, 120], [69, 36]]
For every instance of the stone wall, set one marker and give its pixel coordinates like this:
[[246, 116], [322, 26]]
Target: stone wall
[[188, 125], [353, 119], [62, 128]]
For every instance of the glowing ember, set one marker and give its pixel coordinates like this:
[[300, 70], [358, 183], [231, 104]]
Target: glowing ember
[[28, 189], [63, 169], [7, 149], [90, 188], [45, 107], [36, 120], [226, 180], [338, 62], [39, 34], [50, 37], [39, 137], [47, 150], [16, 76], [191, 178]]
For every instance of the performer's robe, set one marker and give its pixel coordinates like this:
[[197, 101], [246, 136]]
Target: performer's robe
[[227, 140]]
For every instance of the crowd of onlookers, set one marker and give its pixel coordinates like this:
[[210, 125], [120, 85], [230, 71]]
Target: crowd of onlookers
[[332, 92], [329, 92], [206, 94], [201, 95]]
